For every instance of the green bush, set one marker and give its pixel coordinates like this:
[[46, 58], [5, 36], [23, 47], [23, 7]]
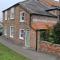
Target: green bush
[[57, 33]]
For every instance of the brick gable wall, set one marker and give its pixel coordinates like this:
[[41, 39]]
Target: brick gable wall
[[17, 25]]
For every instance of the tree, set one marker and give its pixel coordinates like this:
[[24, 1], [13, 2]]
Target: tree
[[57, 33]]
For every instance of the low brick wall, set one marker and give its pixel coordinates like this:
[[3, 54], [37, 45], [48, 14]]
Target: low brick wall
[[50, 48]]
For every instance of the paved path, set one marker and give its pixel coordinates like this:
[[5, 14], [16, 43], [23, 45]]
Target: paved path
[[33, 55]]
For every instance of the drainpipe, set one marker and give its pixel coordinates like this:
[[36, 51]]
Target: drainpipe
[[30, 21]]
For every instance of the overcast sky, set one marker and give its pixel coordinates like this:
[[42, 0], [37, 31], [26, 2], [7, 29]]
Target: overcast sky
[[5, 4]]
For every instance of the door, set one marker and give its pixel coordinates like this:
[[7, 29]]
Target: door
[[27, 39]]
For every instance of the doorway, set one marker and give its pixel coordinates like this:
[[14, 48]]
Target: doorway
[[27, 38], [41, 35]]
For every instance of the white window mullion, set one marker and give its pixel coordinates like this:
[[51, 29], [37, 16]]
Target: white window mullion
[[5, 15]]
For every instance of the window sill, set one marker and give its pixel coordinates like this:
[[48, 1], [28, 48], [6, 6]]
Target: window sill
[[11, 18], [5, 19], [11, 36], [5, 34], [21, 21], [21, 38]]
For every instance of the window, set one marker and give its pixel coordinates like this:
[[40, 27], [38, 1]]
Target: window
[[5, 31], [11, 31], [22, 16], [21, 34], [12, 13], [5, 15]]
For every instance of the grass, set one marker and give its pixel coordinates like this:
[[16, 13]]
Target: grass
[[8, 54]]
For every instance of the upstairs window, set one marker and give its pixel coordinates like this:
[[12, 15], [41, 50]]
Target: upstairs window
[[5, 15], [12, 13], [22, 16]]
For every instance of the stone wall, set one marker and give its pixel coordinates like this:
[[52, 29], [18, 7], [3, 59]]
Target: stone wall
[[50, 48]]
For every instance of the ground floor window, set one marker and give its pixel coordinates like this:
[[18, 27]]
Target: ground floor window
[[21, 34], [5, 31], [11, 31]]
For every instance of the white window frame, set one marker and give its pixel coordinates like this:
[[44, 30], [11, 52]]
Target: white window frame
[[10, 31], [5, 15], [5, 31], [12, 13], [20, 34], [22, 16]]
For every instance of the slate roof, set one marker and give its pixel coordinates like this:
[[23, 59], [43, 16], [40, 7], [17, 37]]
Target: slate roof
[[34, 7], [55, 8]]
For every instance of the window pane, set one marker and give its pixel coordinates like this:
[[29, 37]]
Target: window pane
[[12, 13], [22, 34], [22, 16]]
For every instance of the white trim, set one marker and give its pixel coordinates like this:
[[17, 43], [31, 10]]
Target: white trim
[[21, 16], [10, 31], [5, 15], [20, 34]]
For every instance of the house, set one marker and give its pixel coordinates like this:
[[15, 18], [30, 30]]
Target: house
[[25, 22]]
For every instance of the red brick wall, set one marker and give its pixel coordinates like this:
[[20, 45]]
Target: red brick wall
[[17, 25], [49, 48], [33, 39]]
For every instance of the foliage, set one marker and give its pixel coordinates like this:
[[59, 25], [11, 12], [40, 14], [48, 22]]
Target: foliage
[[57, 33], [53, 35]]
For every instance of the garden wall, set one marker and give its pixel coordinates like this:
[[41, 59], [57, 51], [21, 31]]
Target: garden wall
[[50, 48]]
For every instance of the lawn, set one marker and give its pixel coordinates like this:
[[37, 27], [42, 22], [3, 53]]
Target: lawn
[[8, 54]]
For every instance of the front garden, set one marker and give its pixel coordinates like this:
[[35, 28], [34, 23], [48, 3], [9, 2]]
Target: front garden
[[8, 54]]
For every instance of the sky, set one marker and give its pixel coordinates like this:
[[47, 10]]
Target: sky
[[7, 3]]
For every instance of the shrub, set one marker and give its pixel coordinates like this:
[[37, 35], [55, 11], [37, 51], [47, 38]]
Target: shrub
[[57, 33]]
